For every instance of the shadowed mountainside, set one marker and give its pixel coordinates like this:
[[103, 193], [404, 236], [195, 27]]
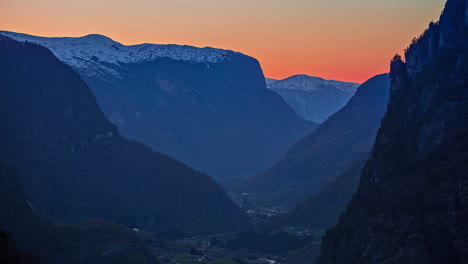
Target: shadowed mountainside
[[90, 242], [76, 166], [209, 108], [411, 204]]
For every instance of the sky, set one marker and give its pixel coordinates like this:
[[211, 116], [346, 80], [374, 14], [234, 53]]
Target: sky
[[348, 40]]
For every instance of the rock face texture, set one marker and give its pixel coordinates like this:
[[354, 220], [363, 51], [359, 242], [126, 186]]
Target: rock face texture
[[207, 107], [313, 98], [325, 153], [412, 202], [75, 165], [45, 242]]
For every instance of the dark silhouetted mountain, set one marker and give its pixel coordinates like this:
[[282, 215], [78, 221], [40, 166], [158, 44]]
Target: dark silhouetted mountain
[[313, 98], [76, 166], [321, 156], [411, 204], [91, 242], [207, 107], [10, 254]]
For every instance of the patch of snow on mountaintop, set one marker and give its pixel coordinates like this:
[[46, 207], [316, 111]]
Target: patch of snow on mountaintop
[[81, 52], [310, 83], [270, 81]]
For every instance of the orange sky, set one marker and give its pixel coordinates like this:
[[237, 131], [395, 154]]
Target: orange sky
[[348, 40]]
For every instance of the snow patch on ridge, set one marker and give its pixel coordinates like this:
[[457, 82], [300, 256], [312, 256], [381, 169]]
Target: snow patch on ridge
[[91, 53], [310, 83]]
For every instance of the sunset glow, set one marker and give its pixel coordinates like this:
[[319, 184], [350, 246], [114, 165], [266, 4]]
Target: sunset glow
[[348, 40]]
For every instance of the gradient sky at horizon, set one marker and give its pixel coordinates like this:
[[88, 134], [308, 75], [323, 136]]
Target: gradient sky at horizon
[[349, 40]]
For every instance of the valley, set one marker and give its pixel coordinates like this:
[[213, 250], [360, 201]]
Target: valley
[[115, 153]]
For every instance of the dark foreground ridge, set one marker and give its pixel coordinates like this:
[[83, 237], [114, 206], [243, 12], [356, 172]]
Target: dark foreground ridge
[[412, 202], [45, 242]]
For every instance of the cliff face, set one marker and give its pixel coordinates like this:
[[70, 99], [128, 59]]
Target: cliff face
[[439, 36], [412, 202]]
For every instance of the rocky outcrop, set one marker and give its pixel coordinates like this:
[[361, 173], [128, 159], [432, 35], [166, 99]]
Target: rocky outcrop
[[412, 202], [439, 36]]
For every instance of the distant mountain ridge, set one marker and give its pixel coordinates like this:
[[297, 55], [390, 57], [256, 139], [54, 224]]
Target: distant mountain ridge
[[207, 107], [75, 165], [313, 98], [310, 83], [324, 154]]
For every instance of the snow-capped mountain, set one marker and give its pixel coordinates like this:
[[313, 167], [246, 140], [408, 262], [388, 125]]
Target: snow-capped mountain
[[91, 52], [270, 81], [313, 98], [76, 166], [207, 107], [311, 83]]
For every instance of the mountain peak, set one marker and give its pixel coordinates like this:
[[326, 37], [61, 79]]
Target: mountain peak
[[308, 83], [98, 38], [313, 98]]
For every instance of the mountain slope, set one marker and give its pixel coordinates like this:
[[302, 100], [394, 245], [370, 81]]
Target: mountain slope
[[76, 166], [207, 107], [411, 202], [313, 98], [323, 155], [91, 242], [321, 210], [269, 81]]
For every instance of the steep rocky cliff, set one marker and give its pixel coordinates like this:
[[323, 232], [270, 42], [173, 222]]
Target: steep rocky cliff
[[76, 166], [412, 202]]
